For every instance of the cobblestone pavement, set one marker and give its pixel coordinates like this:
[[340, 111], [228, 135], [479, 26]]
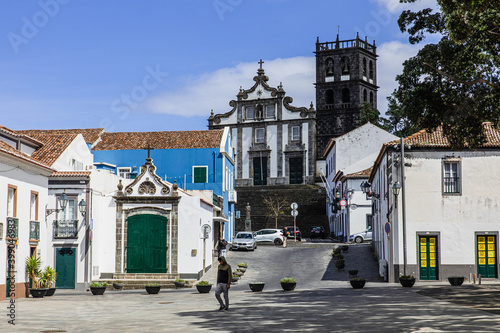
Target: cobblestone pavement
[[322, 302]]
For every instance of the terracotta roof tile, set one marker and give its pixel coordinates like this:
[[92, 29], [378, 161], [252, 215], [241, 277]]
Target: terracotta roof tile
[[19, 135], [71, 174], [160, 140], [360, 174], [53, 146], [90, 135], [14, 152]]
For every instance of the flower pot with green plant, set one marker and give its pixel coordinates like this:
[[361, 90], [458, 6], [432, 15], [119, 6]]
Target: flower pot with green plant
[[118, 285], [407, 281], [98, 288], [32, 265], [203, 287], [47, 278], [340, 264], [357, 282], [288, 283], [179, 283], [353, 273], [243, 264], [152, 288]]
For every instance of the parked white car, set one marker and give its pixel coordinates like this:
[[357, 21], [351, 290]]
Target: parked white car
[[362, 236], [244, 240], [269, 236]]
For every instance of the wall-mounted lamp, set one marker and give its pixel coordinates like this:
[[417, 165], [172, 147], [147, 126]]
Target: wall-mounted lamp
[[396, 187], [82, 207], [63, 202], [365, 187]]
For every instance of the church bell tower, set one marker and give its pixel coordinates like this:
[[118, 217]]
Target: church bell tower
[[346, 76]]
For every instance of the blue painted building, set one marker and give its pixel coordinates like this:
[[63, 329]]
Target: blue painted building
[[195, 160]]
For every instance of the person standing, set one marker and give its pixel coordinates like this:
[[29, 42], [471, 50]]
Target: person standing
[[224, 275], [222, 247]]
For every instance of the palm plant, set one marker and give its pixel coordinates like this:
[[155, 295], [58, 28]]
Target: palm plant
[[33, 269], [47, 277]]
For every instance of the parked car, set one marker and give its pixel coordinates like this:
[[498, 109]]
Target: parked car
[[244, 240], [289, 232], [362, 236], [269, 236], [317, 231]]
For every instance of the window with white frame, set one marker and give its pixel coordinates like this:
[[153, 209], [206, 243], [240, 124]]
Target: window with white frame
[[295, 133], [269, 111], [12, 201], [34, 206], [451, 177], [250, 112], [69, 213], [260, 135], [123, 172], [200, 174]]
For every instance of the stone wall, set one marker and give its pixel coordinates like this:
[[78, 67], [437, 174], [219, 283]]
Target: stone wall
[[310, 198]]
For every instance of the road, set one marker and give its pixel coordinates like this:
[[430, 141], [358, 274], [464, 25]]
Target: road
[[322, 302]]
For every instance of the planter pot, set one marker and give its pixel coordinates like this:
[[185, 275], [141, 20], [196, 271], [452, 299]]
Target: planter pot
[[340, 264], [97, 290], [256, 286], [456, 280], [234, 279], [242, 269], [50, 292], [345, 248], [287, 286], [179, 284], [153, 289], [357, 284], [204, 289], [353, 272], [407, 283], [38, 293], [238, 273], [118, 286]]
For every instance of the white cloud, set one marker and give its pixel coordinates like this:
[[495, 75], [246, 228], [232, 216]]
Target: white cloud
[[389, 64], [394, 6], [215, 90]]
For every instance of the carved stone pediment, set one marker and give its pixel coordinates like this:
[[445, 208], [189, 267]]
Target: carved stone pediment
[[148, 183]]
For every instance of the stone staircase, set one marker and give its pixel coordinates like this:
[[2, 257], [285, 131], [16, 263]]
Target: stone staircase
[[139, 280]]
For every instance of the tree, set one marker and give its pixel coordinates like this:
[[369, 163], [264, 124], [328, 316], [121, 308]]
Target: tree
[[456, 82], [275, 207], [372, 115]]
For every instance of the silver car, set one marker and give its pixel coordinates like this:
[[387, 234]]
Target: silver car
[[362, 236], [244, 241], [269, 236]]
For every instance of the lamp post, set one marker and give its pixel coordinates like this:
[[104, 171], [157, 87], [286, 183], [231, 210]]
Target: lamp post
[[63, 202]]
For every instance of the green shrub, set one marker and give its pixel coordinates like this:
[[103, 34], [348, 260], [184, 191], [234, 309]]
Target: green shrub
[[179, 280], [288, 280], [203, 283], [99, 284], [152, 285]]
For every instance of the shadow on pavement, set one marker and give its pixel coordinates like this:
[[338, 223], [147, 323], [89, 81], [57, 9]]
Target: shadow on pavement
[[341, 310], [358, 257]]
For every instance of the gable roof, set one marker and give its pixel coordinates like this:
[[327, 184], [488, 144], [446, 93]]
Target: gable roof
[[18, 135], [7, 149], [160, 140], [53, 146], [90, 135]]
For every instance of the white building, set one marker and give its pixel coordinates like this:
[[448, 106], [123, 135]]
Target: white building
[[347, 159], [451, 208], [23, 196]]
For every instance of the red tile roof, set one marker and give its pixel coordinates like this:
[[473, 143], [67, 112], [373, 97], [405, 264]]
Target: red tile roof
[[71, 174], [160, 140], [53, 146], [90, 135], [18, 135], [7, 149]]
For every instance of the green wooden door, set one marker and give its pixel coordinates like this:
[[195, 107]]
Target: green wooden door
[[260, 171], [428, 258], [296, 170], [486, 256], [65, 268], [147, 244]]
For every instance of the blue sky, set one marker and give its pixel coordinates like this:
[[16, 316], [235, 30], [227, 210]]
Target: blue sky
[[163, 65]]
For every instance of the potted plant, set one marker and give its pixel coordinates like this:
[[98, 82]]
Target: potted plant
[[337, 250], [234, 278], [338, 257], [357, 282], [98, 288], [256, 286], [118, 285], [345, 248], [33, 269], [407, 281], [242, 269], [203, 287], [238, 273], [179, 283], [47, 278], [456, 280], [153, 288], [243, 264], [353, 272], [288, 283], [340, 264]]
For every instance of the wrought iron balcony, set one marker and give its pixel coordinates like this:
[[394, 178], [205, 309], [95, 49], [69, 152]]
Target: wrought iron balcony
[[65, 228], [451, 185], [34, 230]]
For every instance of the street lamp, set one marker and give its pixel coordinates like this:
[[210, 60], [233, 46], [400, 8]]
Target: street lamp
[[63, 202], [396, 187], [365, 187], [82, 207]]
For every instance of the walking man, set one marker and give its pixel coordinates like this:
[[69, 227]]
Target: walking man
[[222, 247], [224, 275]]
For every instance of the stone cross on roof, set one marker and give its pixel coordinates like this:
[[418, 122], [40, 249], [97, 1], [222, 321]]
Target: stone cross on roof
[[260, 62]]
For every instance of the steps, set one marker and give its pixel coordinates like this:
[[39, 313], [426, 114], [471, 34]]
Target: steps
[[139, 280]]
